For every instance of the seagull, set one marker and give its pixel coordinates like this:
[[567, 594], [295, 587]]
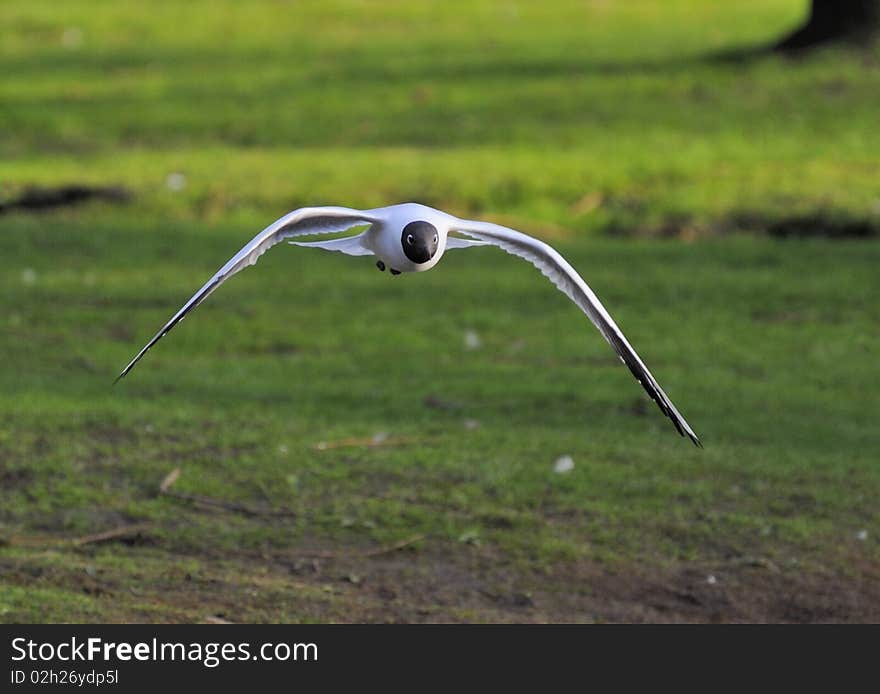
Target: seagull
[[410, 237]]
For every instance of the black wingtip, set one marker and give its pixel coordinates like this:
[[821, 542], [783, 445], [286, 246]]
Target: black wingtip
[[684, 430], [681, 426], [129, 367]]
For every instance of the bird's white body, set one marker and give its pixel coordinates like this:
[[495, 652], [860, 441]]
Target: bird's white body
[[383, 238], [410, 237]]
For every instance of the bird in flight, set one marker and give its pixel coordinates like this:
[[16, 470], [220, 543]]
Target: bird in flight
[[410, 237]]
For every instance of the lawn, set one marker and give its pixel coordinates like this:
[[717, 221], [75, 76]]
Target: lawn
[[347, 446]]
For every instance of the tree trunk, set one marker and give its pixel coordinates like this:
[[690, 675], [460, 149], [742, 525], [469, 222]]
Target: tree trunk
[[830, 21]]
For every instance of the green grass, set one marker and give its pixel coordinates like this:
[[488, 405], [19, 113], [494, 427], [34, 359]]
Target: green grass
[[565, 119], [537, 111]]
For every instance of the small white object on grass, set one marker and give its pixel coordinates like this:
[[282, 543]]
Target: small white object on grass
[[175, 182], [472, 340], [563, 465]]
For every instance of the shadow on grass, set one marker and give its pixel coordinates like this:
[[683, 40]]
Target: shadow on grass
[[40, 199], [834, 225]]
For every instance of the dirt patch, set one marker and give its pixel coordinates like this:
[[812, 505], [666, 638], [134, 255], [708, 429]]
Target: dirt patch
[[38, 199], [475, 587], [15, 477], [439, 581]]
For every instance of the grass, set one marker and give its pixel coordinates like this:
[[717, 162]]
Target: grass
[[550, 117], [568, 113]]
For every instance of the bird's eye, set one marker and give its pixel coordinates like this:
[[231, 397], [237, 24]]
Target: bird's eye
[[410, 239], [435, 239]]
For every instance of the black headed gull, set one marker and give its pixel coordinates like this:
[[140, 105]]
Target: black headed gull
[[412, 238]]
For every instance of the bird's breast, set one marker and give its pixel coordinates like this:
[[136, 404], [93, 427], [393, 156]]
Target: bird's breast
[[385, 242]]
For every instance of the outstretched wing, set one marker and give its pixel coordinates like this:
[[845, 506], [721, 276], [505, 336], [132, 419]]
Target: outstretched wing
[[301, 222], [565, 277]]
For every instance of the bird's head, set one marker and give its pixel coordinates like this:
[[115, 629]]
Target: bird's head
[[420, 241]]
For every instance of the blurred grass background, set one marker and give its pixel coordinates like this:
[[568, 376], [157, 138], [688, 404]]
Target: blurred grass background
[[626, 133]]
